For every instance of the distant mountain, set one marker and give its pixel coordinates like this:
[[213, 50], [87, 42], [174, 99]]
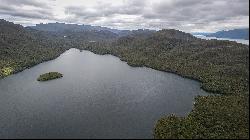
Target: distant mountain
[[62, 27], [232, 34], [200, 33], [76, 32]]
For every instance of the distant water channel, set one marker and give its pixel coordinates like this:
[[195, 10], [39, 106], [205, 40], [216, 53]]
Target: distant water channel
[[242, 41], [98, 97]]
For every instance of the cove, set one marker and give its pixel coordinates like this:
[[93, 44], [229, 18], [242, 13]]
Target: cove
[[99, 96]]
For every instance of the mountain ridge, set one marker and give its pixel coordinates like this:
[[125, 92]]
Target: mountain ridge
[[241, 33], [63, 27], [232, 34]]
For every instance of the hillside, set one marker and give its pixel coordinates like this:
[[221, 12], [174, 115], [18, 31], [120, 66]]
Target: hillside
[[21, 49], [88, 35]]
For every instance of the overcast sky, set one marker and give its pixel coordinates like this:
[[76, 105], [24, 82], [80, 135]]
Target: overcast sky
[[185, 15]]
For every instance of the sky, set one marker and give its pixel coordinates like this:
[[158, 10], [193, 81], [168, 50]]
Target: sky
[[185, 15]]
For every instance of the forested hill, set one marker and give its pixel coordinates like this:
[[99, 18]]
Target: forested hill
[[20, 48], [170, 38]]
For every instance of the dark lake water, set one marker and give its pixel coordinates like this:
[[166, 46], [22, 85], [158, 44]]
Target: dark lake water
[[98, 97]]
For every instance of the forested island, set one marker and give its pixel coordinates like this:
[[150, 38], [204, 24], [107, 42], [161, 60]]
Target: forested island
[[49, 76], [222, 67]]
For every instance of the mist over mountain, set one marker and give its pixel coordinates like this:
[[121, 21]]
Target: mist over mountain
[[231, 34]]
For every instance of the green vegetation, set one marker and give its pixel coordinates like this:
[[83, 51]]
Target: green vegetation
[[49, 76], [221, 67], [213, 117], [21, 48], [7, 71]]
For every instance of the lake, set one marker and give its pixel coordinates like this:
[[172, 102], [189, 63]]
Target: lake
[[98, 97], [242, 41]]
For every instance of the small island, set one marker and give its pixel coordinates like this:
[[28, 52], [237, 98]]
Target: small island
[[49, 76]]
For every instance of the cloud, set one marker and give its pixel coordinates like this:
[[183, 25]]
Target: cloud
[[24, 3], [186, 15], [205, 10], [106, 9], [196, 13], [30, 9]]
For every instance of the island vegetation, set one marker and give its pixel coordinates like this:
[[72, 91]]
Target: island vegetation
[[49, 76], [222, 67]]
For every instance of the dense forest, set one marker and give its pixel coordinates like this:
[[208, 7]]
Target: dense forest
[[222, 67], [21, 49]]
